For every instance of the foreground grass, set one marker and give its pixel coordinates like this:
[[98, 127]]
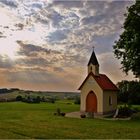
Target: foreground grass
[[22, 120]]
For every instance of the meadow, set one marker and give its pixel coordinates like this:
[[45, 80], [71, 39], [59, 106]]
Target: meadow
[[22, 120]]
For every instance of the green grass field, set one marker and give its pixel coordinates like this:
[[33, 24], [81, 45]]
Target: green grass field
[[22, 120]]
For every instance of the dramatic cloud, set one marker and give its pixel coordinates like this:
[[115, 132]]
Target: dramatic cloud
[[57, 36], [10, 3], [5, 63], [30, 49], [68, 4], [1, 35], [46, 44]]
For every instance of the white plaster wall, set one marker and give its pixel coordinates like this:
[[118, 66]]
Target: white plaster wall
[[95, 69], [91, 85], [106, 106]]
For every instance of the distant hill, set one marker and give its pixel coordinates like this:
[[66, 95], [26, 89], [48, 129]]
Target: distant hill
[[11, 94]]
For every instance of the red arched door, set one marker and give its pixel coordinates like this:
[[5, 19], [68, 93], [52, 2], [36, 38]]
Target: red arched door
[[91, 102]]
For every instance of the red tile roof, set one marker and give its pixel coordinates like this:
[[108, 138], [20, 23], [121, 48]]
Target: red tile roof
[[103, 81]]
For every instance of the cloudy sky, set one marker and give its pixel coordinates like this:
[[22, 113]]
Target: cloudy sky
[[46, 44]]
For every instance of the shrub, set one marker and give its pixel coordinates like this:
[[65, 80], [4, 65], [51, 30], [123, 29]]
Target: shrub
[[59, 113], [55, 113], [135, 109], [77, 100], [50, 100], [30, 99], [83, 116], [136, 116], [62, 114], [19, 98], [125, 111], [37, 99], [43, 99]]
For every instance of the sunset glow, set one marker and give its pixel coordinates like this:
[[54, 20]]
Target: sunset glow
[[46, 45]]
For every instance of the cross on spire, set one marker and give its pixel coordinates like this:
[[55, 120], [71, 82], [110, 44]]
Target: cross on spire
[[93, 47], [93, 60]]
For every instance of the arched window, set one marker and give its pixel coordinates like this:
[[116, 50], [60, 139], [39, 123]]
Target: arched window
[[91, 68], [110, 100]]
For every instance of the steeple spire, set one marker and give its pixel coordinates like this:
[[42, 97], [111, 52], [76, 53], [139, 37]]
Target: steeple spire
[[93, 65], [93, 60]]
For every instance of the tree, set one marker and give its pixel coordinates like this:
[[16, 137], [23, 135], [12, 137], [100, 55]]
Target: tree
[[19, 98], [38, 99], [129, 92], [127, 48], [123, 92]]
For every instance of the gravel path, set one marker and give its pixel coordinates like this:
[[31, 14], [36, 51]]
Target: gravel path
[[73, 114]]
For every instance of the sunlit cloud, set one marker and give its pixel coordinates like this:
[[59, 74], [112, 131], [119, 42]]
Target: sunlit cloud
[[8, 48], [46, 44]]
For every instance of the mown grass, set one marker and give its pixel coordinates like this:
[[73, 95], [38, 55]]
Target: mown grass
[[22, 120]]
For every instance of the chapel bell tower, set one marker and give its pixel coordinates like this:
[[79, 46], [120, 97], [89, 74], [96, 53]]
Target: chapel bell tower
[[93, 65]]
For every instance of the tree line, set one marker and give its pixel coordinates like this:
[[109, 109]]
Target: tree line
[[129, 92]]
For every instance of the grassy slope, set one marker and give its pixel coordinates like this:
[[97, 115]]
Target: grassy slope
[[21, 120]]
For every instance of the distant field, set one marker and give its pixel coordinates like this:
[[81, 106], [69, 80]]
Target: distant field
[[23, 120], [46, 94]]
